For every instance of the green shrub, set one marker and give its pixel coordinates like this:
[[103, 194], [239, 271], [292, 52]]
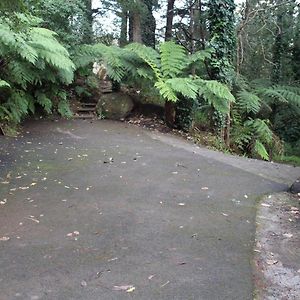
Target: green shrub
[[33, 67]]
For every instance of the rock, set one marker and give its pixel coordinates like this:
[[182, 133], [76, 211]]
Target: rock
[[114, 106], [295, 188]]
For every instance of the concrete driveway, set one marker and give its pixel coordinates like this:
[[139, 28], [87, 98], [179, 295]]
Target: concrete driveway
[[106, 210]]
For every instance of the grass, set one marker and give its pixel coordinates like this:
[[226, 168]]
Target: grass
[[291, 159]]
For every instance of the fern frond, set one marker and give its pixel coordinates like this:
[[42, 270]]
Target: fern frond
[[200, 56], [216, 94], [173, 59], [184, 86], [241, 136], [16, 106], [248, 102], [44, 101], [63, 108], [166, 91], [260, 150], [261, 129], [22, 74], [149, 56], [4, 83]]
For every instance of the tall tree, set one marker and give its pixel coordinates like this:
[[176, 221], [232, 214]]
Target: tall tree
[[222, 39], [88, 28], [170, 17], [296, 49], [148, 23]]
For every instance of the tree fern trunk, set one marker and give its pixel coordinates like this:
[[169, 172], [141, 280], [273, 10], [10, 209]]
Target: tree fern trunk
[[170, 113]]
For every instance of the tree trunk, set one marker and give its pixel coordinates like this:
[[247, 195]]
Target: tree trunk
[[170, 109], [170, 16], [148, 24], [123, 34], [88, 31], [170, 113], [136, 27]]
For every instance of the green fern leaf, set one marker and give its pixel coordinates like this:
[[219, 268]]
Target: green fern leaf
[[44, 101], [248, 102], [261, 129], [184, 86], [260, 150], [4, 83], [200, 56], [166, 91], [173, 59], [216, 94], [149, 56], [64, 109]]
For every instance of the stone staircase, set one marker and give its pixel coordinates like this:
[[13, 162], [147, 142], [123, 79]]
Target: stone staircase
[[86, 110], [106, 86]]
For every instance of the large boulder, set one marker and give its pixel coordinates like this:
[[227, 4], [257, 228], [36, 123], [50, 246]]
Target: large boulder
[[295, 188], [114, 106]]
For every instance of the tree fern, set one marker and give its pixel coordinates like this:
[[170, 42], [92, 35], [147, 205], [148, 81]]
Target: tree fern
[[200, 56], [44, 101], [261, 129], [216, 94], [248, 102], [32, 60], [187, 87], [173, 59], [149, 56], [166, 91]]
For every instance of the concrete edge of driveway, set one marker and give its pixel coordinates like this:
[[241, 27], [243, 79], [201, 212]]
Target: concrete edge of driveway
[[276, 254], [276, 172]]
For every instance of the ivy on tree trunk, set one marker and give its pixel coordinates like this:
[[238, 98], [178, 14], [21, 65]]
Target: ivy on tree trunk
[[223, 41]]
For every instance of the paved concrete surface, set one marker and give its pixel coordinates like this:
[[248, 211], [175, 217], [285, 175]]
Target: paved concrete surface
[[109, 211], [277, 254]]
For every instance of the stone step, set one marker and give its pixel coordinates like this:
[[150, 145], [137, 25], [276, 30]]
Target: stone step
[[83, 104], [86, 109], [84, 116]]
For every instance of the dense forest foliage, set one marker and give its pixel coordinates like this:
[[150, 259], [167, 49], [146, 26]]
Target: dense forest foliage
[[231, 70]]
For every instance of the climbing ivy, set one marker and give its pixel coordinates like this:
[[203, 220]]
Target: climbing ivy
[[222, 37]]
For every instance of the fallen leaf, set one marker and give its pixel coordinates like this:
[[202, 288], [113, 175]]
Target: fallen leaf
[[130, 290], [122, 287], [272, 261], [113, 259], [32, 218], [3, 201], [165, 284]]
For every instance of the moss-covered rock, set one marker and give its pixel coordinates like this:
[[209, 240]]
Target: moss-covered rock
[[114, 106]]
